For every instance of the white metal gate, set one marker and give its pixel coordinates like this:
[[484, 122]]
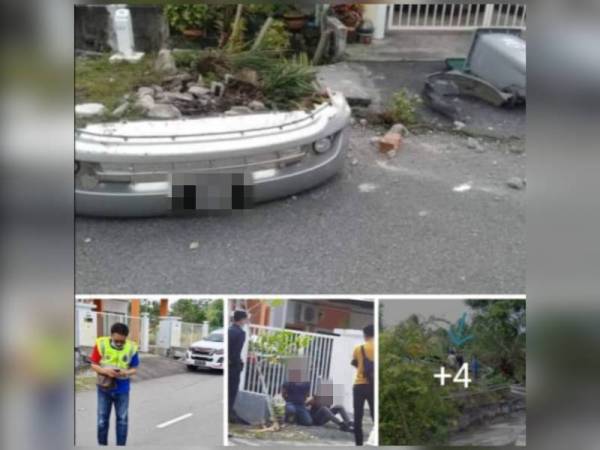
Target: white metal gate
[[455, 16], [265, 372]]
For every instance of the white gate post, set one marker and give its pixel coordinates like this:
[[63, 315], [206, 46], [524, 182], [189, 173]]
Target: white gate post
[[487, 15], [245, 356], [144, 333], [205, 329]]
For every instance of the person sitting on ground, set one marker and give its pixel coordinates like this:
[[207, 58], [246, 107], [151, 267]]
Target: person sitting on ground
[[322, 414], [323, 410], [295, 392]]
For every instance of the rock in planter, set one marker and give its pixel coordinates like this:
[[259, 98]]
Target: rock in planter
[[256, 105], [89, 109], [163, 111], [165, 63], [120, 110], [217, 88], [400, 129], [145, 90], [238, 110], [516, 183], [145, 102], [198, 91], [389, 142], [185, 97]]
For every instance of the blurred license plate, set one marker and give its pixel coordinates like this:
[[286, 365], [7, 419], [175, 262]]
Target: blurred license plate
[[210, 192]]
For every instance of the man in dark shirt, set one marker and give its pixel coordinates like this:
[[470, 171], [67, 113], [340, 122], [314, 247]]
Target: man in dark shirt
[[236, 338], [295, 391]]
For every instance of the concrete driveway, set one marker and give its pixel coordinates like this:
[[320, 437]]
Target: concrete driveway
[[178, 410]]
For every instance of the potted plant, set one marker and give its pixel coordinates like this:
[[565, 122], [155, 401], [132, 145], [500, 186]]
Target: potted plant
[[294, 18], [351, 15], [191, 20]]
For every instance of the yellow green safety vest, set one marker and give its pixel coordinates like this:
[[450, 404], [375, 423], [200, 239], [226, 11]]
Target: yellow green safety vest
[[111, 357]]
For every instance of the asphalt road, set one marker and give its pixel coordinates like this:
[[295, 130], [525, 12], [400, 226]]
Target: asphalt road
[[437, 218], [157, 402]]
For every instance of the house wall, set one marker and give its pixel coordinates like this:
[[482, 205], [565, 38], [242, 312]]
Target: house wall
[[330, 316], [342, 373]]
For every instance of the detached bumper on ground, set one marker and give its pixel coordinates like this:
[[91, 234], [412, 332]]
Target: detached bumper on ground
[[130, 169]]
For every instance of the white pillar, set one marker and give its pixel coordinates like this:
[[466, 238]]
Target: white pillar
[[245, 356], [83, 311], [124, 32], [205, 329], [377, 14], [145, 333]]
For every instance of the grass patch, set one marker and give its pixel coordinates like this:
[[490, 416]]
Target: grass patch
[[99, 80]]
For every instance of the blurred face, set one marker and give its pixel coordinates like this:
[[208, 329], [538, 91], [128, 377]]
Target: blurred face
[[297, 371], [117, 340]]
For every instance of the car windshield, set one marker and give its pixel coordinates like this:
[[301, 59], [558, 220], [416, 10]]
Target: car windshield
[[214, 337]]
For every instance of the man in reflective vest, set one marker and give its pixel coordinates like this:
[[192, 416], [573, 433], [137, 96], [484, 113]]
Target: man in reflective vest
[[114, 359]]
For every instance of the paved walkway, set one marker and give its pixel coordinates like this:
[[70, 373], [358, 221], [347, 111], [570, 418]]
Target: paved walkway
[[413, 46], [378, 81]]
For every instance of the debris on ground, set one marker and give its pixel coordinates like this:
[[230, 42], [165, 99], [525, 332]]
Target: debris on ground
[[458, 125], [389, 142], [516, 183], [474, 144], [194, 245], [463, 187], [400, 129]]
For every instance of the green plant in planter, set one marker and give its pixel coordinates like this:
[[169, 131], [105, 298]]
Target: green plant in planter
[[277, 38], [279, 344], [195, 16], [288, 81]]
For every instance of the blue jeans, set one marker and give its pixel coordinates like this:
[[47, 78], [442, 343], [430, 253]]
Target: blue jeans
[[105, 402], [299, 412]]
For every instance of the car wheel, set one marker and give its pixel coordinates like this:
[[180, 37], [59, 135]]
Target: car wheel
[[191, 368]]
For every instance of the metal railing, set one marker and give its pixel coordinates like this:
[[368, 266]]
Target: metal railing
[[265, 372], [458, 16]]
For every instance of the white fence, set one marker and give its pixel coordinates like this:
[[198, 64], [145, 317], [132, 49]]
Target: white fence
[[149, 336], [459, 16], [265, 372]]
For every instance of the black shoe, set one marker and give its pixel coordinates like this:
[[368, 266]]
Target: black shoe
[[346, 427]]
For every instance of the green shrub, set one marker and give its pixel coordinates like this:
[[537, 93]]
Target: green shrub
[[191, 16], [288, 81], [403, 107], [413, 408], [277, 38]]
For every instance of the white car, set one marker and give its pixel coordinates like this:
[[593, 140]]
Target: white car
[[207, 353]]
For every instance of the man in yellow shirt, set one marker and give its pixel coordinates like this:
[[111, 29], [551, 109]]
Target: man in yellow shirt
[[363, 390]]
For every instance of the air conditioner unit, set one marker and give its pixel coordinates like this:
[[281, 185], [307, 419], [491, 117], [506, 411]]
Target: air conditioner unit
[[309, 314]]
